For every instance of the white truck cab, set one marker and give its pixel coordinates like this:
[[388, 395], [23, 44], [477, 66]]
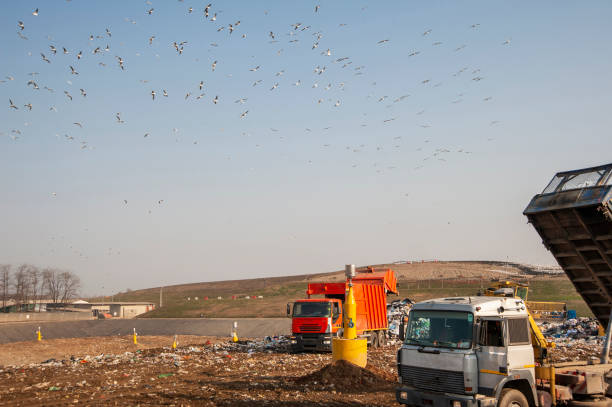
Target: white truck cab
[[467, 352]]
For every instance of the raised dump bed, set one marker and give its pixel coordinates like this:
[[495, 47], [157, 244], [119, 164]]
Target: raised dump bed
[[573, 215]]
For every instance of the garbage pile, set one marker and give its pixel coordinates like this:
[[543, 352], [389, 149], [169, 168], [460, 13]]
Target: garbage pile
[[396, 310], [575, 339], [575, 328], [269, 344]]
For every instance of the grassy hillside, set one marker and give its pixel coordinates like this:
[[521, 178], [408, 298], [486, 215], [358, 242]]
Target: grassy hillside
[[418, 281]]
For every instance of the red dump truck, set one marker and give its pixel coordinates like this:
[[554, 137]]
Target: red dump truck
[[316, 320]]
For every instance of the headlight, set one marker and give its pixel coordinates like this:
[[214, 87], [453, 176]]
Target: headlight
[[293, 341], [456, 403], [404, 395], [326, 342]]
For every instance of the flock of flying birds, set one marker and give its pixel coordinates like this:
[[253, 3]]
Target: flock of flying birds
[[99, 46]]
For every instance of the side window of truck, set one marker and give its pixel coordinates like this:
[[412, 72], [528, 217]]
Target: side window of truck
[[491, 333], [518, 331], [335, 312]]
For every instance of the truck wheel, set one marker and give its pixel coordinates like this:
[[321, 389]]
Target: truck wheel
[[512, 398], [382, 338], [604, 402], [374, 339]]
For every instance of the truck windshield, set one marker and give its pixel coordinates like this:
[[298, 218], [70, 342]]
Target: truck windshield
[[312, 309], [445, 329]]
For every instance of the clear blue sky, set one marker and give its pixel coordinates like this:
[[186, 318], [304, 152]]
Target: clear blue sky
[[501, 95]]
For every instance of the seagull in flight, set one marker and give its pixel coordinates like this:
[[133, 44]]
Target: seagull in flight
[[35, 12], [118, 116], [12, 105], [243, 114]]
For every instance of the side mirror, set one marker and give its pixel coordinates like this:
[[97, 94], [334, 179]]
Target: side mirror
[[288, 309]]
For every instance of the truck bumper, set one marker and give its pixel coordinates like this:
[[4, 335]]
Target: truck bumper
[[311, 342], [418, 398]]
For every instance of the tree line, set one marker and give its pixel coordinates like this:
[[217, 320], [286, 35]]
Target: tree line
[[26, 283]]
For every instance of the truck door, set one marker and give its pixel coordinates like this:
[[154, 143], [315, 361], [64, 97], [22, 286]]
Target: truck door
[[492, 355], [520, 352], [336, 317]]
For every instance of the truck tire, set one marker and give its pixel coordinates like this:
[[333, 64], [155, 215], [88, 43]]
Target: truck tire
[[382, 338], [604, 402], [512, 398], [374, 339]]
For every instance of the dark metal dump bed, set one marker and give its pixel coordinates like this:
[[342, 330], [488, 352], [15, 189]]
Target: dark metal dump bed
[[573, 215]]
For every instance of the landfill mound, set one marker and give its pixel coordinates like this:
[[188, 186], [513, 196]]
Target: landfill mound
[[346, 376]]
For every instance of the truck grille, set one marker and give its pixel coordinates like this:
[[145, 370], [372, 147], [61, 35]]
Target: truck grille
[[310, 328], [433, 379]]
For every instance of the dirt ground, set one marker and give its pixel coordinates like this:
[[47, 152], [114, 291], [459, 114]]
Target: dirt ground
[[200, 372]]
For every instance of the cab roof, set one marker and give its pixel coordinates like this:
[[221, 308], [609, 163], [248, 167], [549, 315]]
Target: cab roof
[[481, 305]]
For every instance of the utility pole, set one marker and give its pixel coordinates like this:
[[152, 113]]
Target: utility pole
[[160, 297]]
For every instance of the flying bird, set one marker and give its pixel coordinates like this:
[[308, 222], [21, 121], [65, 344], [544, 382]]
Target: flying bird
[[149, 12], [216, 99], [68, 95], [243, 114], [78, 124], [28, 105], [72, 70], [214, 65], [153, 94], [20, 25], [12, 105], [35, 12], [83, 93]]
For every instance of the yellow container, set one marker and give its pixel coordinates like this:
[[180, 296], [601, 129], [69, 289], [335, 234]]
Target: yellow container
[[351, 350]]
